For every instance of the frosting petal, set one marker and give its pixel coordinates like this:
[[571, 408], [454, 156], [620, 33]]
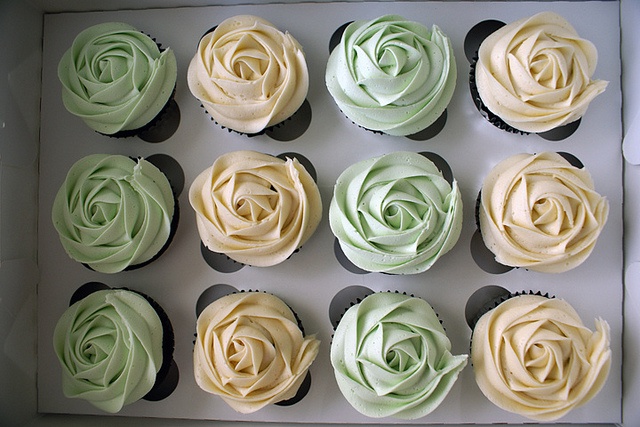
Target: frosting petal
[[391, 357], [533, 356], [392, 75]]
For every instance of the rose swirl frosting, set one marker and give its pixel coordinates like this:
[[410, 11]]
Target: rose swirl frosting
[[115, 78], [535, 73], [109, 345], [113, 212], [541, 213], [248, 74], [395, 213], [250, 351], [392, 75], [255, 208], [533, 356], [392, 357]]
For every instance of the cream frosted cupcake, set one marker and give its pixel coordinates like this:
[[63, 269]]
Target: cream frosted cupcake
[[115, 347], [255, 208], [533, 356], [117, 80], [392, 358], [114, 213], [535, 74], [539, 212], [395, 213], [392, 75], [248, 74], [251, 351]]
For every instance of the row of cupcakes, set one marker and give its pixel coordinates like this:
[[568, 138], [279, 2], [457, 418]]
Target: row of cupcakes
[[397, 213], [391, 356], [388, 75]]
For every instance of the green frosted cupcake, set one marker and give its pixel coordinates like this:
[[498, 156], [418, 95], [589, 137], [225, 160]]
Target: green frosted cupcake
[[116, 79], [392, 357], [114, 213], [395, 213], [115, 347], [392, 75]]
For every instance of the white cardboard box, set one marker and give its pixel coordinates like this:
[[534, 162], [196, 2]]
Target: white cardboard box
[[22, 31]]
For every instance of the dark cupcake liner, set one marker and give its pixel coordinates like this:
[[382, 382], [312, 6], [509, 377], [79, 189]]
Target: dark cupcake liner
[[168, 376], [354, 295], [482, 108], [488, 298], [218, 291], [287, 130]]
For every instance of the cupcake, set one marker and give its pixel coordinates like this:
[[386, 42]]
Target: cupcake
[[114, 213], [539, 212], [115, 347], [249, 75], [535, 75], [392, 358], [251, 351], [117, 79], [392, 75], [255, 208], [533, 356], [395, 213]]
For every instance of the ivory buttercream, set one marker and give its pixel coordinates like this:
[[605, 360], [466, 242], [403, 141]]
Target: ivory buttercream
[[248, 74], [536, 73], [255, 208], [533, 356], [250, 351], [540, 212]]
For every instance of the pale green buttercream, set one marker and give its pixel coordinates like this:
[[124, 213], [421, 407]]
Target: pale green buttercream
[[110, 348], [392, 75], [113, 212], [115, 78], [395, 213], [392, 357]]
